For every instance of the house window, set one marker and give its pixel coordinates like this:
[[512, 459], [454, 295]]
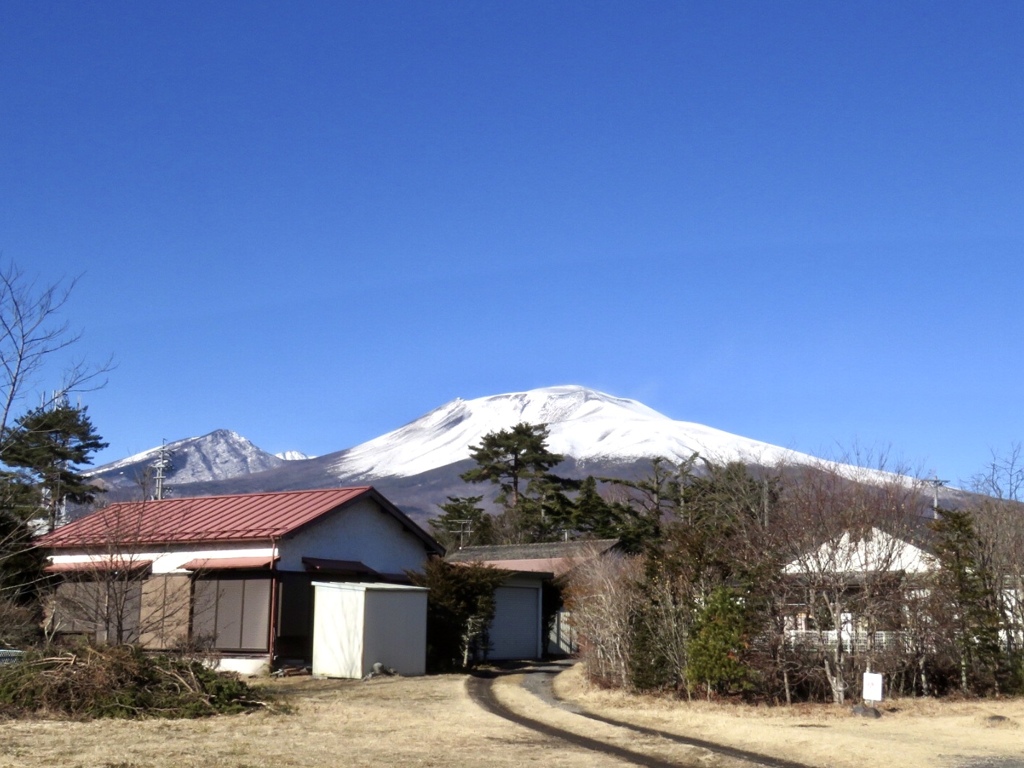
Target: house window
[[108, 611], [232, 610], [163, 619]]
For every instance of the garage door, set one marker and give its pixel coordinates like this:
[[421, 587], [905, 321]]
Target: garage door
[[515, 631]]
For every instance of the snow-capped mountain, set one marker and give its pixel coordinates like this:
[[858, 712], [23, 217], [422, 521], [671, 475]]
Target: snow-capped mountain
[[293, 456], [584, 424], [418, 465], [219, 455]]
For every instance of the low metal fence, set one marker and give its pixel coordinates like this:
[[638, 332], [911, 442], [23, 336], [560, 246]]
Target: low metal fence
[[9, 656], [852, 641]]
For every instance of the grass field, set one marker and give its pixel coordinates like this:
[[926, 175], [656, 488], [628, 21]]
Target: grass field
[[913, 733], [430, 721]]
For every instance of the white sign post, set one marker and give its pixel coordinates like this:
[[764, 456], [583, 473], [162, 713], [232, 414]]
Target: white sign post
[[872, 687]]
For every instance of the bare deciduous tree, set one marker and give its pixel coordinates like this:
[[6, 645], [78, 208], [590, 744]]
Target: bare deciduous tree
[[847, 542], [999, 524], [602, 596], [33, 335], [34, 342]]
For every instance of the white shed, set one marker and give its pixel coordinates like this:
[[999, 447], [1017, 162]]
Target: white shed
[[356, 625]]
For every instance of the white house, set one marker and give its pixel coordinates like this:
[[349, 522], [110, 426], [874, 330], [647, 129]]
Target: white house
[[838, 570]]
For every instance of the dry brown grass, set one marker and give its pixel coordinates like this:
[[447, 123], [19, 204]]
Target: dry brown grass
[[427, 721], [916, 733], [430, 721]]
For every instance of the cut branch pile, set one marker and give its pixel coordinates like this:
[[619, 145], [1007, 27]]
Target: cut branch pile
[[121, 682]]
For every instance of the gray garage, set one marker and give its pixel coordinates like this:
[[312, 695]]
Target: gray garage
[[516, 629]]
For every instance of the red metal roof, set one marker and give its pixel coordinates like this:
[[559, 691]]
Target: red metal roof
[[244, 517]]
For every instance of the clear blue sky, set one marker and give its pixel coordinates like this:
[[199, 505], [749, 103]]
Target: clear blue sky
[[314, 222]]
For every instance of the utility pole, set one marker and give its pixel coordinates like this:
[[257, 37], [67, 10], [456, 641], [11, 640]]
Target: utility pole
[[162, 463], [465, 530], [935, 483]]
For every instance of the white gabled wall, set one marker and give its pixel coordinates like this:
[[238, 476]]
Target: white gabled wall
[[877, 552], [362, 531]]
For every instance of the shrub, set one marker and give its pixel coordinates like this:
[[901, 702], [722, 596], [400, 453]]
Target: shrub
[[460, 608], [121, 682]]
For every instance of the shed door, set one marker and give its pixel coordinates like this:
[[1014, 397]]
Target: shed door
[[515, 631]]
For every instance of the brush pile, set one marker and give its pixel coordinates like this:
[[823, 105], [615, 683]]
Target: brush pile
[[121, 682]]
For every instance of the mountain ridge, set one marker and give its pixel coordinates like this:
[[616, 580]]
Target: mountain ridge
[[583, 423], [418, 464]]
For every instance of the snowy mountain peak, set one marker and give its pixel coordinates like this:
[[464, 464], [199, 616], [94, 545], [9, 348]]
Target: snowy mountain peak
[[587, 426], [214, 456], [550, 405], [293, 456], [583, 423]]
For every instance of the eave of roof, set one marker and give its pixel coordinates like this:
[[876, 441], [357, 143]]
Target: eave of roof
[[229, 563], [550, 566], [553, 550], [345, 567], [509, 567], [104, 565]]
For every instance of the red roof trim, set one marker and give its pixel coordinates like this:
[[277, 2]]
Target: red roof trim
[[106, 564], [228, 563]]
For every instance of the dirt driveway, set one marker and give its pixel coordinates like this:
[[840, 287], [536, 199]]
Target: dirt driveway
[[912, 733]]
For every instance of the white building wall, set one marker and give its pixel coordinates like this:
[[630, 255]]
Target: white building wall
[[363, 532], [879, 552], [356, 625], [338, 632], [171, 561]]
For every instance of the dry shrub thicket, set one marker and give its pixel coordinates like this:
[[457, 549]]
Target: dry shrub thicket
[[120, 681], [602, 595], [787, 586]]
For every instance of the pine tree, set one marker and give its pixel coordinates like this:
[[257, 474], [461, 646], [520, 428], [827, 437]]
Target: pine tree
[[593, 516], [48, 446], [518, 462], [511, 458], [721, 520], [970, 590], [653, 499], [717, 645]]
